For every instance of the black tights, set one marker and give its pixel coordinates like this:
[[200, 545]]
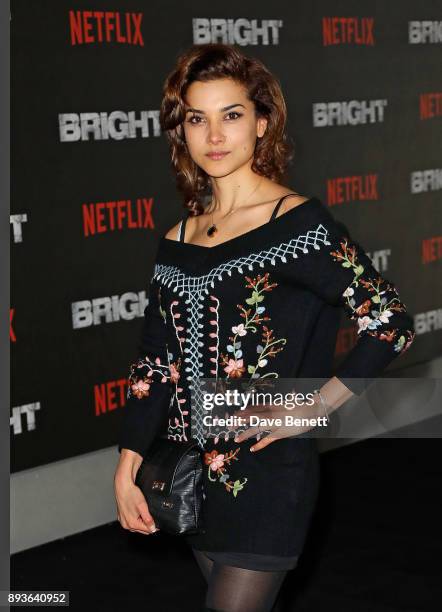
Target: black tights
[[235, 589]]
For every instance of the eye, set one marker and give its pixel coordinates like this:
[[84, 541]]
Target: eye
[[190, 119], [234, 113]]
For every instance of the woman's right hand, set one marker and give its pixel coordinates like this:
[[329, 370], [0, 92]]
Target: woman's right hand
[[132, 509]]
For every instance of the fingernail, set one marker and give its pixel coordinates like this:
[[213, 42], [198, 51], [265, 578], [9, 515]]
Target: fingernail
[[252, 449]]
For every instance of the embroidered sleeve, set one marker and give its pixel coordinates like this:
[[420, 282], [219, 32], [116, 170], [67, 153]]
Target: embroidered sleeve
[[343, 274], [149, 383]]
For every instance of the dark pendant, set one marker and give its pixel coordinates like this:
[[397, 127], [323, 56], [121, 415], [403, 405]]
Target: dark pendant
[[212, 230]]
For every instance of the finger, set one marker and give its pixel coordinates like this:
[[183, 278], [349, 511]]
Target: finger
[[145, 532], [262, 443], [138, 531], [263, 410], [248, 433], [145, 515], [149, 526], [140, 525]]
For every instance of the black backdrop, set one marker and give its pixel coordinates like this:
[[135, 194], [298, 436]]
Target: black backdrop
[[80, 275]]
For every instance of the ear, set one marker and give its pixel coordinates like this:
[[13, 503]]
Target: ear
[[261, 126]]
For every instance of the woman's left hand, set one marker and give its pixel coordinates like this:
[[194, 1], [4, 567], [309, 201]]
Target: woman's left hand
[[275, 422]]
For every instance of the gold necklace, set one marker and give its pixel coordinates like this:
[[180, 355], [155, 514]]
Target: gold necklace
[[212, 230]]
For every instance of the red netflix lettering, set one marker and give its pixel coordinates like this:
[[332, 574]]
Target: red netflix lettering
[[108, 25], [87, 27], [12, 336], [103, 217], [346, 30], [430, 105], [105, 26], [110, 395], [431, 249], [100, 217], [352, 188]]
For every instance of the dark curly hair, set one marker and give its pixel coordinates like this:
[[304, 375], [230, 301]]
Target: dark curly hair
[[209, 62]]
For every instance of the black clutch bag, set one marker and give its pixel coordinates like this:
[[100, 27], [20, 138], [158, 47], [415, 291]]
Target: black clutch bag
[[171, 479]]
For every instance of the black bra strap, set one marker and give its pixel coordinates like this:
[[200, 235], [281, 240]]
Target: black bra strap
[[278, 204], [274, 213], [183, 228]]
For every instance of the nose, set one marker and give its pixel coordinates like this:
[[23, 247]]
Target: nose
[[215, 134]]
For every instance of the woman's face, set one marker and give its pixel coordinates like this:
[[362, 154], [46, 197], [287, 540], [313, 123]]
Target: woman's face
[[221, 126]]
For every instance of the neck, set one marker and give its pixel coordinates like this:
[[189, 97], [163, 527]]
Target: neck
[[231, 191]]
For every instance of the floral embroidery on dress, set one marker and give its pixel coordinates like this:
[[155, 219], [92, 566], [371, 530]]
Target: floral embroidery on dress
[[216, 462], [253, 317], [177, 427], [381, 305], [140, 383], [232, 360], [143, 370]]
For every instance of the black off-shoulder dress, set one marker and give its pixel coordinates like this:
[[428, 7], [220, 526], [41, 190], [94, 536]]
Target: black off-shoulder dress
[[267, 303]]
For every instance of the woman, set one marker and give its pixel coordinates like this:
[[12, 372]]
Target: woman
[[248, 286]]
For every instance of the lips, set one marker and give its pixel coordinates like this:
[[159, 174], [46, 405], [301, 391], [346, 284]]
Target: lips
[[217, 154]]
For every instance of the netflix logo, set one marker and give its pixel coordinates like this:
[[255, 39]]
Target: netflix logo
[[110, 395], [102, 217], [347, 30], [430, 105], [431, 249], [88, 27], [352, 189]]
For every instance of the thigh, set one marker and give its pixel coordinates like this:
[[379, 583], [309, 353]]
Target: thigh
[[235, 589], [205, 564]]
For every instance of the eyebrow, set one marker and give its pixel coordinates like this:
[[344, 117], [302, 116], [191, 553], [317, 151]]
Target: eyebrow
[[222, 110]]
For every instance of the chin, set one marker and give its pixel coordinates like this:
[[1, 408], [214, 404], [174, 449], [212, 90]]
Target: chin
[[218, 169], [220, 173]]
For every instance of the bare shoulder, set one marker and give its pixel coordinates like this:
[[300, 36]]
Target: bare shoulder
[[172, 234], [292, 201]]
